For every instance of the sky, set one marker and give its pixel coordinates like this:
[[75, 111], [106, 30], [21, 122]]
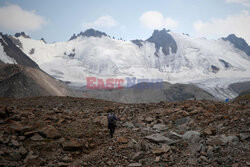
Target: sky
[[58, 20]]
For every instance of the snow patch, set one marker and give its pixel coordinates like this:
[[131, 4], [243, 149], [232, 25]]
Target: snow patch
[[4, 58]]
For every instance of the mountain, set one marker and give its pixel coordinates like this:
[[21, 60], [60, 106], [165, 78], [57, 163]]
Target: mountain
[[241, 88], [147, 93], [22, 81], [21, 34], [89, 33], [163, 40], [238, 43], [11, 51], [172, 57]]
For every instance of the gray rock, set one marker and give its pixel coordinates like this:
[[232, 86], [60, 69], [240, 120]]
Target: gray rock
[[160, 127], [215, 141], [244, 136], [66, 159], [210, 153], [192, 136], [174, 135], [135, 165], [62, 164], [203, 158], [137, 156], [182, 121], [196, 147], [229, 139], [222, 140], [128, 125], [158, 138], [165, 147]]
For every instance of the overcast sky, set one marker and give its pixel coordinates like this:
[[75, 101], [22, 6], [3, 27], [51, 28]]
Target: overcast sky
[[57, 20]]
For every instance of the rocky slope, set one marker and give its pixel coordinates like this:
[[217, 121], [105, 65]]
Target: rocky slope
[[12, 49], [241, 87], [20, 81], [148, 93], [65, 131]]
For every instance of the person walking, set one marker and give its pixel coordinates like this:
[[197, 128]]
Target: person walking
[[112, 123]]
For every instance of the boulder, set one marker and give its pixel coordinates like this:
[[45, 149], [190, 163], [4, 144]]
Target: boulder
[[50, 132], [165, 147], [215, 140], [209, 131], [158, 138], [36, 137], [160, 127], [229, 139], [222, 140], [192, 136], [137, 156], [72, 145], [19, 128], [128, 125], [158, 151], [182, 121], [244, 136]]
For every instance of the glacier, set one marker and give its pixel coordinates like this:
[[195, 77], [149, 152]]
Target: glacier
[[199, 61]]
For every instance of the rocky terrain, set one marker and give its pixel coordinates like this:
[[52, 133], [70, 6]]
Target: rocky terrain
[[22, 81], [67, 131], [241, 88]]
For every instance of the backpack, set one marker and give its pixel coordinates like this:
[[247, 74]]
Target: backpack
[[111, 119]]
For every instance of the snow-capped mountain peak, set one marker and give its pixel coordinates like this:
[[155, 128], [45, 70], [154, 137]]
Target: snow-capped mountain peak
[[89, 33], [238, 43], [21, 34], [167, 55]]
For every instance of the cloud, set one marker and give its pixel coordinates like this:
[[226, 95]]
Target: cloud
[[102, 22], [243, 2], [14, 18], [235, 24], [155, 20]]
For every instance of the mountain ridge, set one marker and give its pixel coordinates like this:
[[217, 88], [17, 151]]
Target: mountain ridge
[[177, 58]]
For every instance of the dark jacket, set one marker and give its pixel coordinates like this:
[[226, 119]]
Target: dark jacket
[[112, 119]]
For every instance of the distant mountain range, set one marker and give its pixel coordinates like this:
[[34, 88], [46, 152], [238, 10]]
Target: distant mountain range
[[176, 58]]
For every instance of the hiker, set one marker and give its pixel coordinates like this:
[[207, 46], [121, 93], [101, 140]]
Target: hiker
[[112, 123]]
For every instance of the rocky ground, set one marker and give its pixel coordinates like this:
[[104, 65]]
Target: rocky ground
[[66, 131]]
